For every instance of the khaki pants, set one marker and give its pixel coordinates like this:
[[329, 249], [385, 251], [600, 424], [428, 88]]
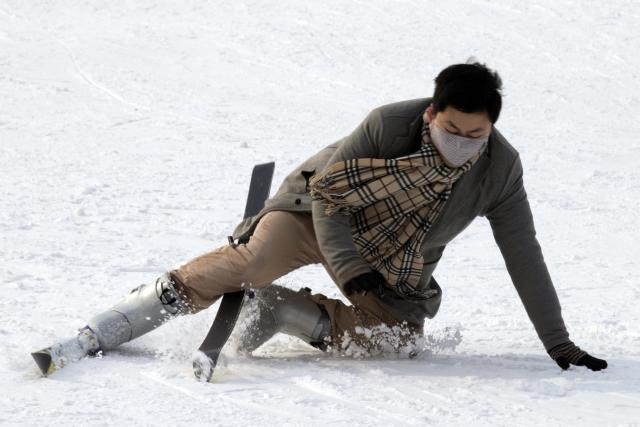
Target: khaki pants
[[282, 242]]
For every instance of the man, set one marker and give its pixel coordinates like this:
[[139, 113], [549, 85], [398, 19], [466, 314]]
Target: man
[[377, 209]]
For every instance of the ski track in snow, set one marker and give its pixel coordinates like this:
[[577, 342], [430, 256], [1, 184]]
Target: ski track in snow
[[127, 136]]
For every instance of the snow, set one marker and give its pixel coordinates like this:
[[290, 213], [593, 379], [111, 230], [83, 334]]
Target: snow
[[127, 135]]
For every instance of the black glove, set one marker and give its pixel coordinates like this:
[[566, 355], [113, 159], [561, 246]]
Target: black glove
[[371, 281], [569, 353]]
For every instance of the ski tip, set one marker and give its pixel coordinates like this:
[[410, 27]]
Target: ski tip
[[203, 366], [43, 360]]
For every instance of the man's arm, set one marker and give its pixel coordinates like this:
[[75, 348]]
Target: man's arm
[[513, 229], [334, 232], [512, 224]]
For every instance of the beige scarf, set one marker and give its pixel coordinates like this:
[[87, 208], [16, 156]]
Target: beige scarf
[[392, 203]]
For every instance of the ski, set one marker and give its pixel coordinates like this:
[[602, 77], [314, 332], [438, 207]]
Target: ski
[[207, 355]]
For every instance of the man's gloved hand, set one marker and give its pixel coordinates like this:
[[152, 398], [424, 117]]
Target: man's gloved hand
[[371, 281], [569, 353]]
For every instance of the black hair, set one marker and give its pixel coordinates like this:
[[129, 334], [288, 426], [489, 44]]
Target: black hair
[[470, 88]]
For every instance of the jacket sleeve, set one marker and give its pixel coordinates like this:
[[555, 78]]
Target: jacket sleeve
[[334, 232], [513, 229]]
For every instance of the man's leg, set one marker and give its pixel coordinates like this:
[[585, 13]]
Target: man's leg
[[366, 325], [280, 244]]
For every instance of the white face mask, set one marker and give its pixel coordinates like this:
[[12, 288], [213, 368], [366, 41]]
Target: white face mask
[[455, 150]]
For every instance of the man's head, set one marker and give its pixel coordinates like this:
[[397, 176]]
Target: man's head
[[466, 100]]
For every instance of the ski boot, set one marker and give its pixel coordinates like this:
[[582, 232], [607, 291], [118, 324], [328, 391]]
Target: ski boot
[[144, 309], [278, 309]]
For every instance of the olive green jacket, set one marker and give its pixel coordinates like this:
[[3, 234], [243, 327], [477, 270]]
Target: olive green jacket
[[493, 188]]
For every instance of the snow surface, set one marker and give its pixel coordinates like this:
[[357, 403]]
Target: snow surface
[[127, 134]]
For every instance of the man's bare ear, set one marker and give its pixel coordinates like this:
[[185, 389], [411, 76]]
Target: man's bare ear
[[428, 114]]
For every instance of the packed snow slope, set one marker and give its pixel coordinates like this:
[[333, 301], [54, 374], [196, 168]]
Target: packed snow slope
[[127, 135]]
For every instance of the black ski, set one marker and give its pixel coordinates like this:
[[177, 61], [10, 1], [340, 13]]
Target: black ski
[[206, 359]]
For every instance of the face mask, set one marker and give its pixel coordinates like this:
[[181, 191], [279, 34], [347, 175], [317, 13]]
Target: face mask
[[456, 150]]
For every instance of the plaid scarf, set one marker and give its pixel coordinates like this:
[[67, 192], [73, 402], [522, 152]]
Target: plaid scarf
[[392, 203]]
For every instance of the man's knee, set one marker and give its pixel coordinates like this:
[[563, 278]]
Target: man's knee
[[365, 327]]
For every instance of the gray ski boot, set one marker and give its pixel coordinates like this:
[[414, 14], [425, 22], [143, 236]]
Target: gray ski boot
[[278, 309], [144, 309]]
